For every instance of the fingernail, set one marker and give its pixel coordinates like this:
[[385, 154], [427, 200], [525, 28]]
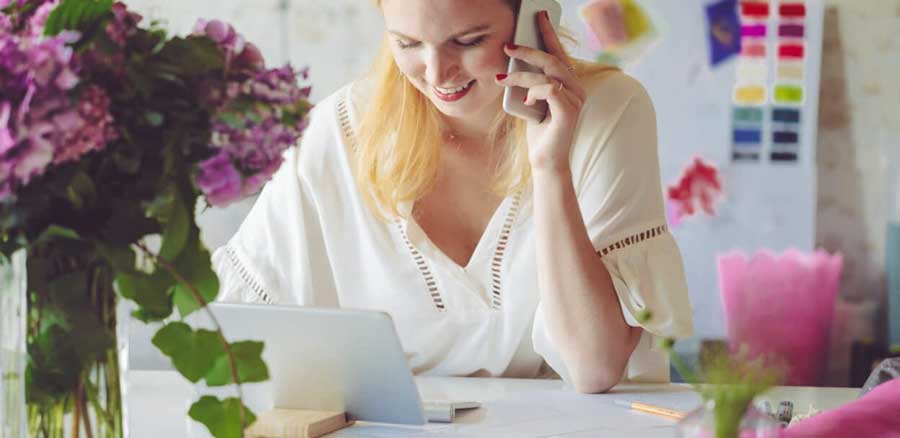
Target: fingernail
[[544, 14], [511, 46], [526, 99], [501, 76]]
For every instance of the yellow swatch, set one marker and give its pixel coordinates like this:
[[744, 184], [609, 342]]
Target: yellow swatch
[[750, 94]]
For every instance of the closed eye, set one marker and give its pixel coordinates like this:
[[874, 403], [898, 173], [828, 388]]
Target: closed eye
[[405, 45], [471, 43], [463, 43]]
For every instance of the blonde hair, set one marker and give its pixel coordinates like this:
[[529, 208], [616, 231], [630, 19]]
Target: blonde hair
[[400, 148]]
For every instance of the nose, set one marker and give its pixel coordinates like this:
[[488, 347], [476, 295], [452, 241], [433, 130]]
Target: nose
[[440, 67]]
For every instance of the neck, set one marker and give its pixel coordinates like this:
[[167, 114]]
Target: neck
[[475, 126]]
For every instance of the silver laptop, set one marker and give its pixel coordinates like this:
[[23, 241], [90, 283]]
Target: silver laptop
[[333, 360]]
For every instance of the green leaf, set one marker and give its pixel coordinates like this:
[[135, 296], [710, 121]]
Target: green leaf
[[194, 264], [76, 15], [120, 257], [221, 417], [154, 118], [250, 365], [152, 292], [177, 226], [54, 232], [192, 56], [193, 352], [81, 190]]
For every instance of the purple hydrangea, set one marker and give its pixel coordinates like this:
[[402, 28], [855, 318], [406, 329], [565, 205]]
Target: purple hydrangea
[[254, 140], [123, 25], [35, 25], [43, 123], [277, 86], [219, 180], [88, 128], [241, 57]]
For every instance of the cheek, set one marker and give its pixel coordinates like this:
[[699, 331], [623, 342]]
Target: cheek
[[409, 65], [487, 63]]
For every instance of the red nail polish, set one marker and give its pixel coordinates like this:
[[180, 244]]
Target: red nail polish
[[511, 46], [526, 99], [501, 76], [545, 15]]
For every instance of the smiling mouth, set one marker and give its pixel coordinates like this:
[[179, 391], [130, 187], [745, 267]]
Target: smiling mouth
[[449, 91], [451, 94]]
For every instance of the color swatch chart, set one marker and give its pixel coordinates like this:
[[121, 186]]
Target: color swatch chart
[[769, 88]]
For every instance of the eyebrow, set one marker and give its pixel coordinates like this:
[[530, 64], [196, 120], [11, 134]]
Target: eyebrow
[[479, 28]]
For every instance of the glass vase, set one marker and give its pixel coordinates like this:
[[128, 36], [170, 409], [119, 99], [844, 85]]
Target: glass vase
[[74, 346], [12, 346], [708, 422]]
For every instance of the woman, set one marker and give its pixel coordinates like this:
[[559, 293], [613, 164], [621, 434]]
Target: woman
[[498, 246]]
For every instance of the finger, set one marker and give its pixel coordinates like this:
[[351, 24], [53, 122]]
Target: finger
[[549, 64], [561, 103], [549, 36], [528, 80], [522, 79]]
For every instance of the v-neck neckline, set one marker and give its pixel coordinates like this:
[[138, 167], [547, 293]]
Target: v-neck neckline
[[483, 248], [511, 205]]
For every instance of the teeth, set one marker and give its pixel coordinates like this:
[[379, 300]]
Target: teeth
[[452, 90]]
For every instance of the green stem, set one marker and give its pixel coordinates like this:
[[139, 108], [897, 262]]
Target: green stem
[[159, 261]]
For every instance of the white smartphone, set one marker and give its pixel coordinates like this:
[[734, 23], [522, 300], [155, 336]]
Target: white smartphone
[[529, 34]]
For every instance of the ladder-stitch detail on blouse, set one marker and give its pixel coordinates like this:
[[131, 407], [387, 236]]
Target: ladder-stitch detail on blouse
[[249, 280], [344, 117], [347, 129], [422, 264], [635, 238], [343, 114], [500, 251]]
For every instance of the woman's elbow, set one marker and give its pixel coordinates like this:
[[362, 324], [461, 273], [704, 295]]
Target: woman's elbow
[[597, 380]]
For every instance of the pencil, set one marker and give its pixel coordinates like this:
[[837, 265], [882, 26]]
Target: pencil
[[651, 409]]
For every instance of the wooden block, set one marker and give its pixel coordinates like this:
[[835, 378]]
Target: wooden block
[[296, 423]]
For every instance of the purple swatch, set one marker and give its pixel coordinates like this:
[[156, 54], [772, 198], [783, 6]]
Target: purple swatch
[[753, 30], [790, 30]]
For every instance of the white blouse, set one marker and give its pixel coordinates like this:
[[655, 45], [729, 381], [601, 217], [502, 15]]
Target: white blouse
[[311, 240]]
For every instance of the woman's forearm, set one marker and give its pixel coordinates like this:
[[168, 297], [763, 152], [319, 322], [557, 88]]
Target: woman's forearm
[[582, 312]]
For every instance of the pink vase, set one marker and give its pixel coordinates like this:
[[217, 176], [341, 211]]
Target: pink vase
[[782, 306]]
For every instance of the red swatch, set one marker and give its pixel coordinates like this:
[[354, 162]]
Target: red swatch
[[754, 9], [790, 51], [753, 50], [796, 10]]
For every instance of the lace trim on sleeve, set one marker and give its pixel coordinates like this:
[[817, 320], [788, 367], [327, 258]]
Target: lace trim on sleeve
[[250, 280], [634, 238]]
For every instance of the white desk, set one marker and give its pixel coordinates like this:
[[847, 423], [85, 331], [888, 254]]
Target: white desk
[[158, 402]]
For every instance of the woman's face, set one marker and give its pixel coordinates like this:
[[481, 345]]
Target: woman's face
[[451, 50]]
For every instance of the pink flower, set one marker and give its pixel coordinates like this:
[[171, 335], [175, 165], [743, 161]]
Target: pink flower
[[219, 180], [250, 59], [35, 153], [88, 128], [35, 26], [123, 25], [6, 139], [223, 34], [698, 187]]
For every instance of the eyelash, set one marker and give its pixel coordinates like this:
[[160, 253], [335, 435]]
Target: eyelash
[[474, 43]]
